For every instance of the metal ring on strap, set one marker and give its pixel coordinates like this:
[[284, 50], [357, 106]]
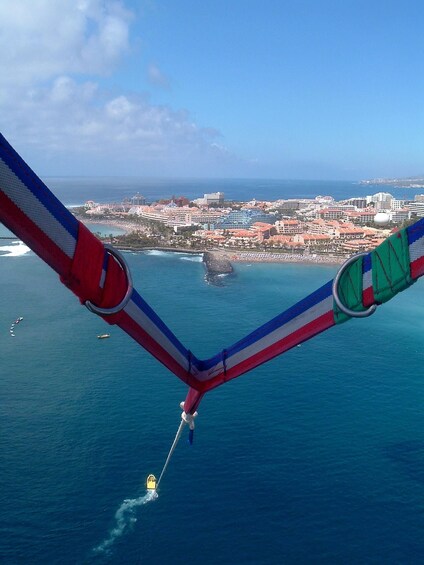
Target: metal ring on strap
[[115, 309], [335, 290]]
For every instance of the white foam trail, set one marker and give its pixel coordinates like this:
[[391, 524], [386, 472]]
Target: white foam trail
[[193, 258], [181, 254], [157, 252], [125, 517], [15, 250]]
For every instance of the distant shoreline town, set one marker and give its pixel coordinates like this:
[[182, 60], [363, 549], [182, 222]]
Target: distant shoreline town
[[317, 230], [409, 182]]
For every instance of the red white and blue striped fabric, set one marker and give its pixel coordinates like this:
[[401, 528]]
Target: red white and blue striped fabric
[[33, 213], [416, 249]]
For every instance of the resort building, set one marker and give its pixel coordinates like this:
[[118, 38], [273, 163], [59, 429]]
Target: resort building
[[381, 200], [242, 219], [284, 242], [288, 226], [322, 227], [294, 206], [362, 217], [357, 202], [309, 239], [243, 237], [263, 230], [330, 213], [348, 231], [205, 217], [216, 198], [358, 245], [399, 216], [416, 207], [396, 204], [173, 215]]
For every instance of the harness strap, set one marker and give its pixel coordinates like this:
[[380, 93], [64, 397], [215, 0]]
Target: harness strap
[[84, 277], [350, 290], [379, 276], [416, 249], [192, 401], [33, 213], [224, 361], [391, 267]]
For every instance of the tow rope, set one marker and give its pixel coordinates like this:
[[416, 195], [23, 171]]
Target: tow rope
[[98, 275], [185, 419], [171, 451]]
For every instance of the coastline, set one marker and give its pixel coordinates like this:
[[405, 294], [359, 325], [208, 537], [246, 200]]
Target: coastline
[[127, 227], [227, 256]]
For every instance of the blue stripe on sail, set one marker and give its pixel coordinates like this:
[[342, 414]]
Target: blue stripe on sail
[[34, 184], [277, 322], [151, 314], [415, 232], [366, 263]]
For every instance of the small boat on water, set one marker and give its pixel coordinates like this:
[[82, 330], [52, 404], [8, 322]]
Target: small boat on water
[[151, 482], [103, 336]]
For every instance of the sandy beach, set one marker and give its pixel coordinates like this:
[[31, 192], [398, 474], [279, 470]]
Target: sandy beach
[[270, 257], [127, 227]]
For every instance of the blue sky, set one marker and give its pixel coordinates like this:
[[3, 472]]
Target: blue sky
[[242, 88]]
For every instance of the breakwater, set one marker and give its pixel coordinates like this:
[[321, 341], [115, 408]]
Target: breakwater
[[216, 264]]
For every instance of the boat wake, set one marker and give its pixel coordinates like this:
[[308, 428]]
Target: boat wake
[[125, 518]]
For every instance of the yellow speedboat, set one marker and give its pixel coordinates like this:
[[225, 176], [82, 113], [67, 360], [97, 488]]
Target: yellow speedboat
[[151, 482]]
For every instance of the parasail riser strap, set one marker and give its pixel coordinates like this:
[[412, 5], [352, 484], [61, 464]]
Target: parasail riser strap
[[30, 210]]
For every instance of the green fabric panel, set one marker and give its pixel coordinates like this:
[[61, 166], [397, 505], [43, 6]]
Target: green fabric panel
[[391, 267], [350, 291]]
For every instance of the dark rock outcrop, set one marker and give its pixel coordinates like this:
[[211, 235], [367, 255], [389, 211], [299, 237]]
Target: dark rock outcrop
[[216, 264]]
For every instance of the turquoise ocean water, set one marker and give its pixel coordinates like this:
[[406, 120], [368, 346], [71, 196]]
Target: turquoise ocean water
[[315, 457]]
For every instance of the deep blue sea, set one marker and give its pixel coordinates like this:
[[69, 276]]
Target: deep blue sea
[[315, 457], [75, 191]]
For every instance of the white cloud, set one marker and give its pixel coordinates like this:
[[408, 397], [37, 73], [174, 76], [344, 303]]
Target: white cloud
[[53, 106], [40, 39], [157, 77], [70, 118]]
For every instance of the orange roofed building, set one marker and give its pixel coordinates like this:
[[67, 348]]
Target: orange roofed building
[[288, 226], [263, 230], [309, 239]]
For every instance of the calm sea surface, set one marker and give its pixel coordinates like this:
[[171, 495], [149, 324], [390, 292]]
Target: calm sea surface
[[73, 191], [315, 457]]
